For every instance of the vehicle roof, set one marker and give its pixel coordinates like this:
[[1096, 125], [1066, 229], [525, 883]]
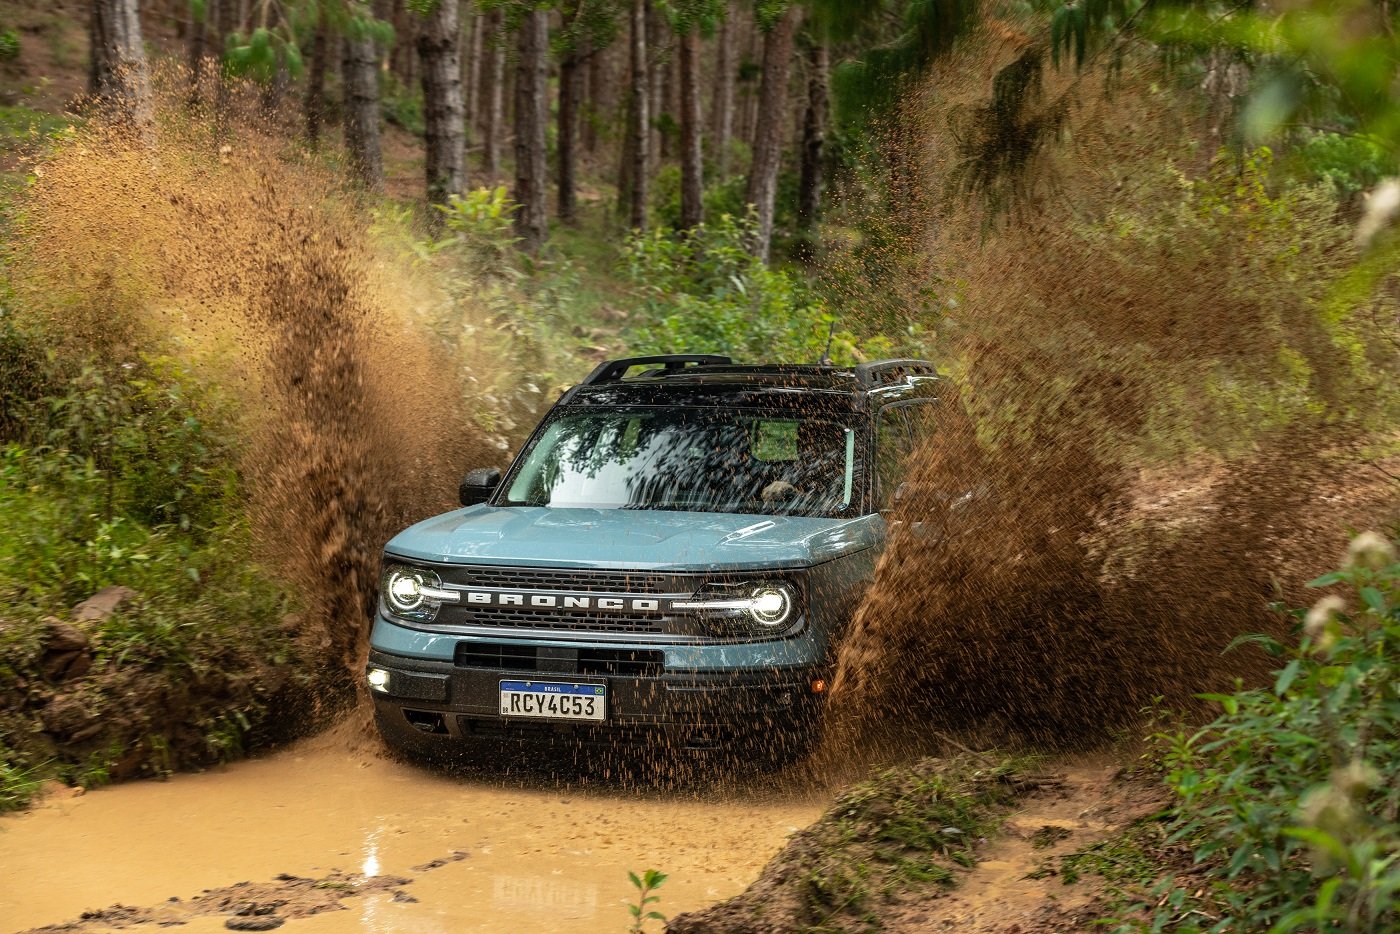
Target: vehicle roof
[[822, 387]]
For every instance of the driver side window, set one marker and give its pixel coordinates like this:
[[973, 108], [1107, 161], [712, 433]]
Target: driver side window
[[893, 444]]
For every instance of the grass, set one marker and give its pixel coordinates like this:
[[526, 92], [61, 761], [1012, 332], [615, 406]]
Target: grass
[[908, 828]]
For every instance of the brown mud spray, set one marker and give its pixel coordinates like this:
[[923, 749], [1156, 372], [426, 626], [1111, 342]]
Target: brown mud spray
[[1090, 529], [248, 258]]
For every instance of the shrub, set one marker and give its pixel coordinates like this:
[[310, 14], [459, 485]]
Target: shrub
[[702, 291], [1290, 797]]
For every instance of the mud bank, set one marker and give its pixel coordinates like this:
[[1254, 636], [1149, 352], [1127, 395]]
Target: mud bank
[[451, 852]]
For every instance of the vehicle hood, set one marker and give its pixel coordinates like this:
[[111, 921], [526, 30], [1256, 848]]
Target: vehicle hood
[[634, 539]]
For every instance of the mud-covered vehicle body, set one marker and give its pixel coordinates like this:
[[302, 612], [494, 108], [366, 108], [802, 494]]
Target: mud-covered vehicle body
[[671, 559]]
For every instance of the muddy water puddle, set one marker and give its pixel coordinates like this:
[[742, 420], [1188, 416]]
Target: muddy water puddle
[[391, 846]]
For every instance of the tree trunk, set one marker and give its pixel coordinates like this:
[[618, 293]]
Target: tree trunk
[[118, 76], [595, 94], [439, 55], [570, 95], [199, 45], [471, 73], [770, 127], [531, 117], [722, 113], [360, 77], [494, 107], [316, 85], [659, 56], [809, 192], [636, 160], [692, 157]]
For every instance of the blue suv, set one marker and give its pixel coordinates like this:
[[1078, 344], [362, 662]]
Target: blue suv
[[671, 560]]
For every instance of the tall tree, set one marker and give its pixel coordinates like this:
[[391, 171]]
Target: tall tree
[[771, 126], [722, 111], [588, 29], [201, 15], [531, 119], [360, 75], [440, 57], [814, 121], [117, 73], [471, 71], [493, 94], [692, 156], [636, 160], [316, 82]]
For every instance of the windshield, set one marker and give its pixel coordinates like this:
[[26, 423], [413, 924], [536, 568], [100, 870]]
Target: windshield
[[693, 460]]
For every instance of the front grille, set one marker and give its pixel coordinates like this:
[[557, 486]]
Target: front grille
[[641, 583], [572, 621], [497, 655], [503, 656], [626, 662]]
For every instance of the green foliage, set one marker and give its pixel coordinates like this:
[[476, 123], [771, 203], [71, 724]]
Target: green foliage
[[908, 826], [702, 291], [1313, 64], [481, 221], [402, 104], [9, 45], [1273, 255], [263, 53], [17, 785], [870, 85], [1289, 799], [645, 884], [1349, 165]]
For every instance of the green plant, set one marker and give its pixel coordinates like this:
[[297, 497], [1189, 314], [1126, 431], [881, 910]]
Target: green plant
[[702, 291], [1289, 799], [17, 785], [9, 45], [482, 221], [402, 104], [645, 884]]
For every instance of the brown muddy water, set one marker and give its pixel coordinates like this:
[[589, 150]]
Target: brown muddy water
[[457, 851]]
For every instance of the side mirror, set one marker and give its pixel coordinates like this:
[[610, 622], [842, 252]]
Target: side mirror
[[478, 485]]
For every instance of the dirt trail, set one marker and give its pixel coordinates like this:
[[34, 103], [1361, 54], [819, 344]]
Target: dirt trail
[[377, 845], [1001, 896]]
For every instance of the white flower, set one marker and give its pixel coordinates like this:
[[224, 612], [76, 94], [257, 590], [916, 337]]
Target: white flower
[[1317, 624], [1382, 205], [1370, 550]]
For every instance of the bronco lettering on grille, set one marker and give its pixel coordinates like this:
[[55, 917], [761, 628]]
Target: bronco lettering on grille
[[550, 601]]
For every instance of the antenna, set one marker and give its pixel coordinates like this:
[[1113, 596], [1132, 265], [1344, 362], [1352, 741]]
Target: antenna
[[826, 354]]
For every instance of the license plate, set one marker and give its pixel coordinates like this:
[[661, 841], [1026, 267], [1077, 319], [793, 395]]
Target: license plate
[[554, 700]]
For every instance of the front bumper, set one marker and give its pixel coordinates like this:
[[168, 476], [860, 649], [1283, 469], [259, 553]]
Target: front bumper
[[427, 699]]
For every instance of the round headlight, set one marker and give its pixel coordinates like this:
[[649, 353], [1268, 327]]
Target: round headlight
[[771, 605], [403, 589]]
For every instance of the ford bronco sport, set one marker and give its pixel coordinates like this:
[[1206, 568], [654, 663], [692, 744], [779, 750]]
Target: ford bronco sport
[[672, 558]]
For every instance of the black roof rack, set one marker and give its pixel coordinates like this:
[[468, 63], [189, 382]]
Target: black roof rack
[[612, 370], [881, 372], [871, 375]]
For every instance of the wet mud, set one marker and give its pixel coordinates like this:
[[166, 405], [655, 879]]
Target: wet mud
[[334, 840]]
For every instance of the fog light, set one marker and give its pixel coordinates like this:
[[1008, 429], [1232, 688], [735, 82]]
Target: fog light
[[379, 679]]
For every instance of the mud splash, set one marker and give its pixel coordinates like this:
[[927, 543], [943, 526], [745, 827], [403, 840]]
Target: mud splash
[[1158, 433], [215, 240]]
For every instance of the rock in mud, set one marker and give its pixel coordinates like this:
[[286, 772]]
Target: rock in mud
[[67, 651], [102, 604], [66, 715], [254, 923]]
